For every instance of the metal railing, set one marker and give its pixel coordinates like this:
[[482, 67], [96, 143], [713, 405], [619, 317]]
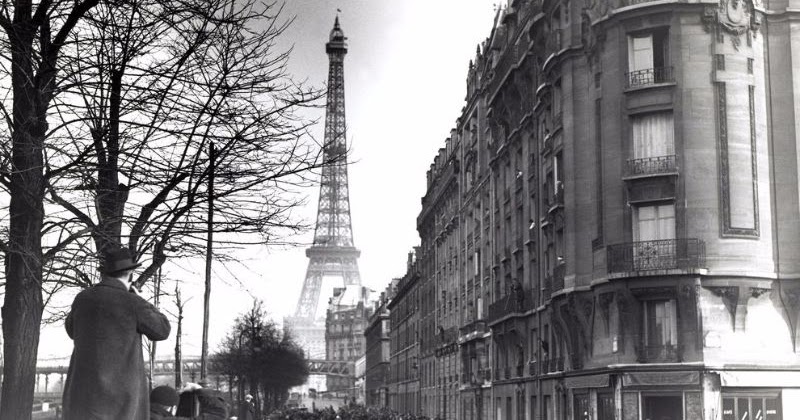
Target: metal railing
[[558, 277], [646, 77], [515, 302], [662, 254], [656, 165], [478, 326], [533, 368]]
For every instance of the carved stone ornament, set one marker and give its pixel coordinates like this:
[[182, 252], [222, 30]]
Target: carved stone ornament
[[734, 17], [730, 298]]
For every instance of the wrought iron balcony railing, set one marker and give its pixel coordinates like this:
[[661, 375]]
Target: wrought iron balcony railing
[[519, 300], [646, 77], [657, 165], [478, 326], [662, 254], [533, 368], [558, 277]]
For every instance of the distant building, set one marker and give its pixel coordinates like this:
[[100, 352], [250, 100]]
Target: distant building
[[404, 359], [347, 315], [378, 346], [612, 229]]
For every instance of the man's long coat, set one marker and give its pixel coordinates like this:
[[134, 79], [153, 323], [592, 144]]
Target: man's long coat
[[106, 377]]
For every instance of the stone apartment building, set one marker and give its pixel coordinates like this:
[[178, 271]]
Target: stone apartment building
[[345, 322], [404, 342], [612, 230], [378, 350]]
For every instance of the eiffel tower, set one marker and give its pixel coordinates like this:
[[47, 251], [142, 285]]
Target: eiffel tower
[[332, 255]]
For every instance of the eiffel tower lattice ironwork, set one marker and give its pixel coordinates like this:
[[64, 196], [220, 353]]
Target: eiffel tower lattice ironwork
[[332, 255]]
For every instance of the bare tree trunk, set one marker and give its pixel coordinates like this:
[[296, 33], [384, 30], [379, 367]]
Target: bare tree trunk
[[178, 360], [22, 308], [209, 249]]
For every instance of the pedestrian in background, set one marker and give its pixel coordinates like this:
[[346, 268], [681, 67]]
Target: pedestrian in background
[[106, 377], [248, 410]]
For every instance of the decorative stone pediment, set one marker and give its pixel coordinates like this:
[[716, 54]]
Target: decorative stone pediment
[[732, 17]]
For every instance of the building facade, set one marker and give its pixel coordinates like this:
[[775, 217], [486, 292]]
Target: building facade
[[612, 230], [404, 343], [378, 347], [345, 322]]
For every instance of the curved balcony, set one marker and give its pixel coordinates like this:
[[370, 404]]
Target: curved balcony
[[648, 77], [662, 254], [650, 166]]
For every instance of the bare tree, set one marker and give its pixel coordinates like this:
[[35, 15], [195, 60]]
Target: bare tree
[[33, 37], [154, 95]]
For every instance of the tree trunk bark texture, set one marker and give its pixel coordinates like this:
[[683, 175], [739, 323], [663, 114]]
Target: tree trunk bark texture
[[22, 308]]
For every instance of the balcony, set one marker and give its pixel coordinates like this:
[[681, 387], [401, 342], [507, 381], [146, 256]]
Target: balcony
[[509, 59], [648, 77], [533, 368], [650, 166], [663, 254], [547, 288], [473, 328], [518, 301], [547, 145], [555, 364], [558, 277], [661, 353]]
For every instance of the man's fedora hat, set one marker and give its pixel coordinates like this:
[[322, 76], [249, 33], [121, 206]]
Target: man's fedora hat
[[118, 260]]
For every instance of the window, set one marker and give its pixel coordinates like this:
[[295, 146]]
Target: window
[[605, 407], [653, 135], [654, 222], [647, 58], [660, 407], [580, 409], [660, 326], [751, 407]]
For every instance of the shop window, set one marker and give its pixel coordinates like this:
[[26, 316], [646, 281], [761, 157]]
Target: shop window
[[581, 408], [605, 407], [662, 407], [751, 407]]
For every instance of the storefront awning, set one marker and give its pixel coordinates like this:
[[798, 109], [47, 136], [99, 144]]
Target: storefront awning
[[759, 378], [660, 378], [590, 381]]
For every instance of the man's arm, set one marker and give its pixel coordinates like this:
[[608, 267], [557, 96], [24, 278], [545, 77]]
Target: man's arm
[[68, 324], [149, 321]]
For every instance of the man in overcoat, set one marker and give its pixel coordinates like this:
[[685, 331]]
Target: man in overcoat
[[106, 377]]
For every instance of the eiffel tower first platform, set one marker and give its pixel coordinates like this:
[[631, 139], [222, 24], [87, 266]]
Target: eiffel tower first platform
[[332, 256]]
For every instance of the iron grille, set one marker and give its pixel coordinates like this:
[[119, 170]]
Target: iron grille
[[663, 254]]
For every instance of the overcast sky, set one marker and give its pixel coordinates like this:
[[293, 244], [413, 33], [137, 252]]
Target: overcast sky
[[405, 75]]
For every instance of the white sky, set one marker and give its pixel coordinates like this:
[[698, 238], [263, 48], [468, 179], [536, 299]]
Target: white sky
[[405, 75]]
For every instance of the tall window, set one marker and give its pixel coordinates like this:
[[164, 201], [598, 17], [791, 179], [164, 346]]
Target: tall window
[[660, 326], [653, 135], [648, 57], [654, 222]]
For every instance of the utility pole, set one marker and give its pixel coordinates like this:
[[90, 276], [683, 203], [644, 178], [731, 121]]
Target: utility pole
[[209, 247], [156, 298], [178, 358]]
